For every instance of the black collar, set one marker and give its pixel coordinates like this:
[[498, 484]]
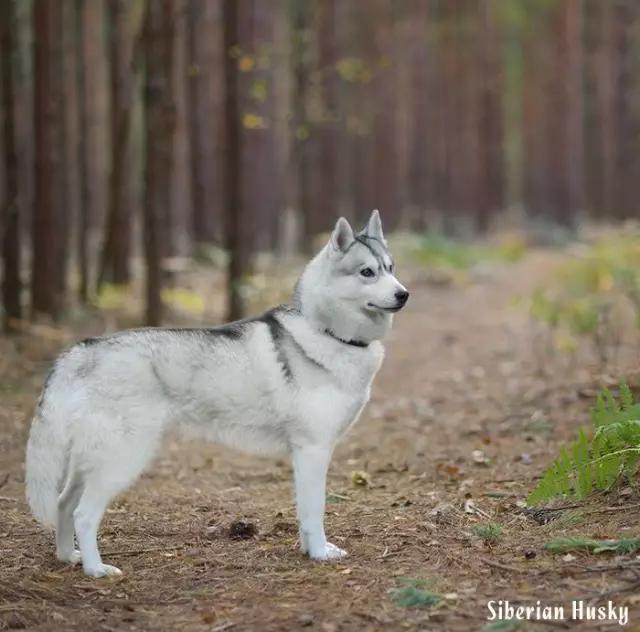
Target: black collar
[[353, 343]]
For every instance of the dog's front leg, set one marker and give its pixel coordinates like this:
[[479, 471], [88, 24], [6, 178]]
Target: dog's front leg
[[310, 466]]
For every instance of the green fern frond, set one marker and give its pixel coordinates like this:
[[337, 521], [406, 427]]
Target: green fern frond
[[626, 396], [566, 545], [612, 453], [599, 413]]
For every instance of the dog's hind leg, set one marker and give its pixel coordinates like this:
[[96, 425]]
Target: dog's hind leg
[[86, 518], [107, 471], [67, 502]]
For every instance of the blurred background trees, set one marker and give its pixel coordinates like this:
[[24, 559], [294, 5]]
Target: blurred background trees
[[138, 131]]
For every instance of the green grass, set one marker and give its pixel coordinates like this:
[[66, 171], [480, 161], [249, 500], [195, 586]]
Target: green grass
[[489, 532], [566, 545], [439, 252], [411, 592], [510, 625]]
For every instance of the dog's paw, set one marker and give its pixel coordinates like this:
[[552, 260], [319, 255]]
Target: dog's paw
[[103, 570], [71, 558], [329, 552]]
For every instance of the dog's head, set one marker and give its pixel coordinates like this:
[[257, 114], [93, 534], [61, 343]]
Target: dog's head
[[352, 282], [362, 268]]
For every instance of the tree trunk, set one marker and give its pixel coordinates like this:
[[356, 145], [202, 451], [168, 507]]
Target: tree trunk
[[90, 16], [237, 247], [607, 76], [303, 131], [70, 116], [83, 158], [362, 112], [11, 252], [114, 267], [574, 109], [627, 117], [325, 195], [420, 113], [45, 287], [260, 186], [384, 177], [159, 127], [177, 224], [198, 62], [490, 122]]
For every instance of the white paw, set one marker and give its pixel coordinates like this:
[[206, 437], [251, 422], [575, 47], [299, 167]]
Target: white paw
[[328, 552], [103, 570], [71, 558]]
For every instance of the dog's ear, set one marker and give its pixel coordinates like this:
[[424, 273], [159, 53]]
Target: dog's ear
[[342, 236], [374, 226]]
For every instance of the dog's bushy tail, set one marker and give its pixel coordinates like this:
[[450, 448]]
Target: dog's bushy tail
[[45, 469]]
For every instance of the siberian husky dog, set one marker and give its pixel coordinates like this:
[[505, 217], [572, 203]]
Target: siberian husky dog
[[291, 381]]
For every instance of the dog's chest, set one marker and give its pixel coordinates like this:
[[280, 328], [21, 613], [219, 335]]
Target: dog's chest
[[331, 399]]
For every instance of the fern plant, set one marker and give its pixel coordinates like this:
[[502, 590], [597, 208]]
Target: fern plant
[[610, 455], [566, 545]]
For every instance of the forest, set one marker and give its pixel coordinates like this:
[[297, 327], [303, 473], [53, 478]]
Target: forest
[[177, 162], [135, 134]]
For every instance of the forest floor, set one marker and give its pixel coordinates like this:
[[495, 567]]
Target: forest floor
[[460, 424]]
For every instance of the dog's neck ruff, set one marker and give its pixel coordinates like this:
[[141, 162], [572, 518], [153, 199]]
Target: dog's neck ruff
[[353, 343]]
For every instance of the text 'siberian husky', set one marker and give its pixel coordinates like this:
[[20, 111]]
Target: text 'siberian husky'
[[290, 381]]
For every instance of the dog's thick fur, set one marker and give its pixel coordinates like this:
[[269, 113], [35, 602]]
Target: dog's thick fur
[[290, 381]]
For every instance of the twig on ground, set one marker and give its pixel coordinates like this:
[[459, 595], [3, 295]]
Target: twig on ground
[[154, 549], [614, 591], [143, 602], [612, 509], [504, 567], [550, 509], [619, 566]]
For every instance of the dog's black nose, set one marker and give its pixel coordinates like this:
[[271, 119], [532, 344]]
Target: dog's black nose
[[402, 296]]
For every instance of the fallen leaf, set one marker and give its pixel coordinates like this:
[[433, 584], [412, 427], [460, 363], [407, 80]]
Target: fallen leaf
[[449, 469], [360, 478]]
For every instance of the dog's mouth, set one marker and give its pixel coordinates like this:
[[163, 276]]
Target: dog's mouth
[[380, 308]]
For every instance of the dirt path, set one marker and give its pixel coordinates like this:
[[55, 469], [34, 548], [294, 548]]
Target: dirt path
[[458, 419]]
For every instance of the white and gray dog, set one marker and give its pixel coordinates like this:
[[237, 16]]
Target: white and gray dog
[[291, 381]]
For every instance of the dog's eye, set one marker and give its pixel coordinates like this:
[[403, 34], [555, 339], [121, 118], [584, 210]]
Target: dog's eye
[[367, 272]]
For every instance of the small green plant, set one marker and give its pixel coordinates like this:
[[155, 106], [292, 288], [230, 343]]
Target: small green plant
[[565, 545], [411, 592], [508, 625], [597, 464], [489, 532], [440, 252], [592, 296]]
